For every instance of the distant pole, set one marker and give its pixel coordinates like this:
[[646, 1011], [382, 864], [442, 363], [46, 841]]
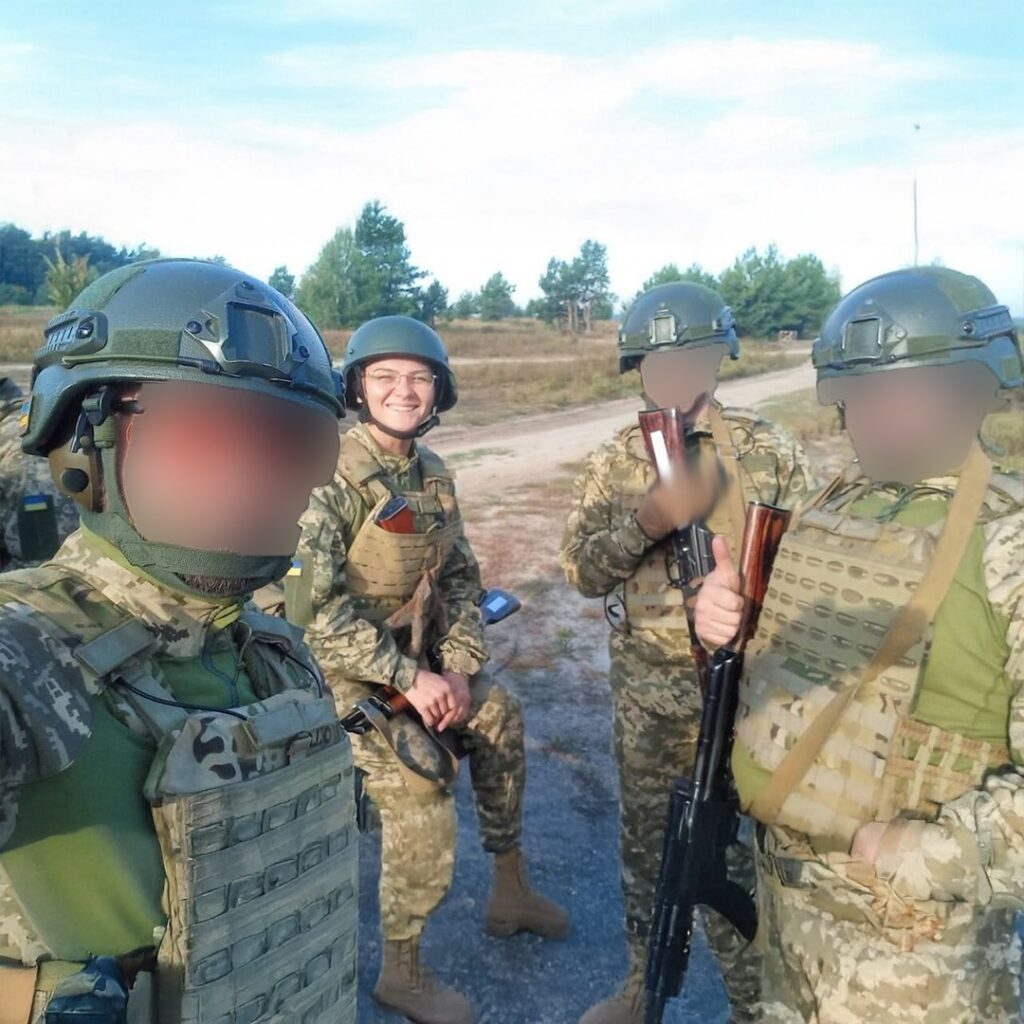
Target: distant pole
[[915, 221], [917, 128]]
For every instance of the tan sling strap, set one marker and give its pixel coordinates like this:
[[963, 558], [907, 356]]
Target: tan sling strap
[[17, 991], [736, 506], [906, 629]]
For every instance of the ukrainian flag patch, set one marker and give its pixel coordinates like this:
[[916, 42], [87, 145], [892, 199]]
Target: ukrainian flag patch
[[35, 503], [296, 569]]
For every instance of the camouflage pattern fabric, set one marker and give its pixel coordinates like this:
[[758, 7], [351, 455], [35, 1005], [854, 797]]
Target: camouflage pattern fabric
[[842, 946], [25, 486], [653, 677], [418, 834], [356, 655], [46, 692], [926, 934]]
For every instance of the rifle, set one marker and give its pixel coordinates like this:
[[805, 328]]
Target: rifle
[[495, 604], [670, 440], [703, 810]]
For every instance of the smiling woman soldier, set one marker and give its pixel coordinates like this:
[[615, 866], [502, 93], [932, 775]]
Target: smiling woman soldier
[[399, 608]]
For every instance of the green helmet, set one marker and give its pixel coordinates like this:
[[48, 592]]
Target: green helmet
[[165, 320], [677, 315], [924, 316], [400, 336], [180, 320]]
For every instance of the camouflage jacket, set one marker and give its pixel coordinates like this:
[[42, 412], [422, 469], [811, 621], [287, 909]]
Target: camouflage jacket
[[30, 503], [349, 647], [603, 545]]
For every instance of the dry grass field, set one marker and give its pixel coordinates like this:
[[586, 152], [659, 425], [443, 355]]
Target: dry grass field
[[509, 367]]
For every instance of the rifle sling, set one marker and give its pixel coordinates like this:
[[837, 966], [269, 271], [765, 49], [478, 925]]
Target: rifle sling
[[728, 456]]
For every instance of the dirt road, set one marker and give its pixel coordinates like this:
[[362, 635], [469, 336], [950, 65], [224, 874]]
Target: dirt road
[[533, 447]]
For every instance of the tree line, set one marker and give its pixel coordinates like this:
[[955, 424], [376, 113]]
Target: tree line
[[366, 270]]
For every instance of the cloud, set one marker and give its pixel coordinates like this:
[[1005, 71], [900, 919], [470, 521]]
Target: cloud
[[15, 58], [680, 152]]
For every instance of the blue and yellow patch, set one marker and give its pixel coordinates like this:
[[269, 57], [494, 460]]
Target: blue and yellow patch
[[25, 416], [296, 569], [35, 503]]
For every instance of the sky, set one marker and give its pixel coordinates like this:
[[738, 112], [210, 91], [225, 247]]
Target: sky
[[503, 134]]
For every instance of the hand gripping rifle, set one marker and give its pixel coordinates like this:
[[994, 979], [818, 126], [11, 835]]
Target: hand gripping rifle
[[670, 440]]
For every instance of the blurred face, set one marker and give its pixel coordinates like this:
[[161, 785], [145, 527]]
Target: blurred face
[[681, 377], [400, 393], [214, 469], [910, 424]]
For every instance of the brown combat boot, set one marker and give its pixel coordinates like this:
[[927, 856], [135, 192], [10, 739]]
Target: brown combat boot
[[625, 1007], [515, 907], [410, 988]]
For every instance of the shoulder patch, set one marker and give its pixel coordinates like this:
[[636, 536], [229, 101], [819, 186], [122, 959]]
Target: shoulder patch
[[1005, 495]]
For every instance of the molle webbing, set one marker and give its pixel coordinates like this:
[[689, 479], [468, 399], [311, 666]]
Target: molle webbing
[[900, 648]]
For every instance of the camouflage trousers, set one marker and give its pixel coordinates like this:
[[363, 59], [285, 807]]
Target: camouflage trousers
[[418, 833], [656, 722], [844, 951]]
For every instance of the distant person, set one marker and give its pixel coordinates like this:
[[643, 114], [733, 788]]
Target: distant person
[[616, 542]]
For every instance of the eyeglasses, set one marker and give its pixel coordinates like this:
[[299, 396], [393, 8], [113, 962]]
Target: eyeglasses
[[387, 379]]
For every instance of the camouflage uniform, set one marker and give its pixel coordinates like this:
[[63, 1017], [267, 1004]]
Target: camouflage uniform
[[176, 792], [359, 652], [31, 507], [926, 935], [879, 709], [75, 749], [657, 702]]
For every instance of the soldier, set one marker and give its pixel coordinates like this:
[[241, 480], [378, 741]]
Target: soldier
[[879, 733], [615, 540], [34, 516], [177, 808], [400, 609]]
